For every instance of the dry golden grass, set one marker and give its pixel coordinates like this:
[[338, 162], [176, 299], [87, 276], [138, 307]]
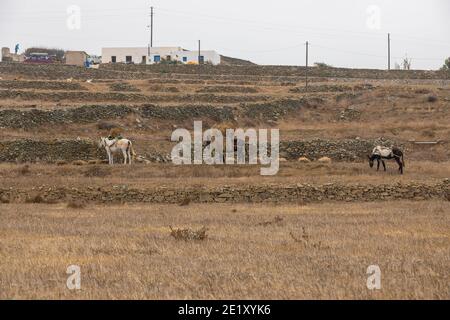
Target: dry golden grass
[[316, 251], [142, 176]]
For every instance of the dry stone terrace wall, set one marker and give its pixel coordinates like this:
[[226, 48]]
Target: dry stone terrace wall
[[27, 119], [121, 71], [256, 70], [340, 150], [295, 193], [28, 150], [82, 96], [40, 85], [87, 114]]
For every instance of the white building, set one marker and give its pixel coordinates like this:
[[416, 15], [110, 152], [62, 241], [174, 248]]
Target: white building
[[158, 54]]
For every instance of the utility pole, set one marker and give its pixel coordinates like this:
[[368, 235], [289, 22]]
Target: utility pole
[[389, 51], [306, 69], [199, 52], [151, 32], [151, 27]]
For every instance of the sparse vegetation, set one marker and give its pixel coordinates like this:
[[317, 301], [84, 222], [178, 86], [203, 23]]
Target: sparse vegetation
[[275, 220], [97, 171], [24, 170], [188, 234], [36, 198], [76, 204], [322, 65]]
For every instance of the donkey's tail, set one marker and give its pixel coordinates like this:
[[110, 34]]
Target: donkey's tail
[[133, 154]]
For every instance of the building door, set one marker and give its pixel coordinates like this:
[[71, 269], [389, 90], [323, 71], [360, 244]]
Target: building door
[[157, 58], [128, 59], [144, 60], [201, 59], [113, 59]]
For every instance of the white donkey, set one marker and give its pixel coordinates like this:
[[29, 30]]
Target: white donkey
[[113, 146]]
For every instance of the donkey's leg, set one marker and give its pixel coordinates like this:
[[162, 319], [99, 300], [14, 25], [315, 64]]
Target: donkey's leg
[[109, 156], [384, 165], [378, 164], [400, 165], [124, 156], [129, 156]]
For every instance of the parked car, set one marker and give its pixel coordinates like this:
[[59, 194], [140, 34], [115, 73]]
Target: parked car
[[39, 57]]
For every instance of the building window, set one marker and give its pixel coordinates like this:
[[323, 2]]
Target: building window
[[113, 59], [128, 59], [184, 59], [157, 58]]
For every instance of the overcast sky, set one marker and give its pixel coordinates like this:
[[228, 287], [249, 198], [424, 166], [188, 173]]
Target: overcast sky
[[346, 33]]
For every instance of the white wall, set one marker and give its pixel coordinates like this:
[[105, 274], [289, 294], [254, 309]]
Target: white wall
[[121, 53], [176, 53], [192, 56]]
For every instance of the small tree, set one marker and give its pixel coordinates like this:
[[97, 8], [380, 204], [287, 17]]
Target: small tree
[[322, 65], [446, 66], [406, 64]]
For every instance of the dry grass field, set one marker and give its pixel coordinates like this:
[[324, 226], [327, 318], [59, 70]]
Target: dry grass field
[[251, 251]]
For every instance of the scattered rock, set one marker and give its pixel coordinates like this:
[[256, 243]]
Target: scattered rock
[[324, 160]]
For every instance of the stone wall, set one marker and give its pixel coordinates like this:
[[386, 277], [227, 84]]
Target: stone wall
[[339, 150], [81, 96], [27, 119], [257, 70], [122, 71], [296, 193], [41, 85], [28, 150]]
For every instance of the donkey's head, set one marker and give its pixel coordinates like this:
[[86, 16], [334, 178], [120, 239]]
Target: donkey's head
[[102, 143], [371, 158]]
